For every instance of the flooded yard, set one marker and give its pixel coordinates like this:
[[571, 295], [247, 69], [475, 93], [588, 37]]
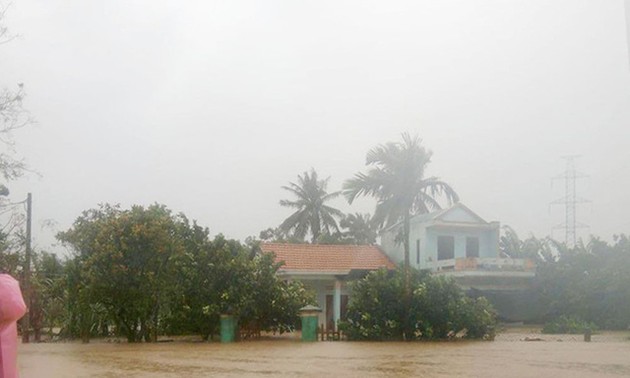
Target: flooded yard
[[608, 355]]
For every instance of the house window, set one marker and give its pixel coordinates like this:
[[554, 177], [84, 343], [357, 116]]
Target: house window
[[472, 247], [418, 252], [446, 247]]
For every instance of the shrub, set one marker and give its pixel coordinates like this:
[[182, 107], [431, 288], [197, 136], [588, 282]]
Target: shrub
[[435, 308], [375, 310], [479, 318], [568, 324]]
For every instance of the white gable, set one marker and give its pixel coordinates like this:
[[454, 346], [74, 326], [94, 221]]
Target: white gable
[[460, 214]]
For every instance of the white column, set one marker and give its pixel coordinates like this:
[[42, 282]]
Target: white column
[[337, 303]]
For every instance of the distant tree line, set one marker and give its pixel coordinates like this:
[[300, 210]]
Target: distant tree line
[[588, 283]]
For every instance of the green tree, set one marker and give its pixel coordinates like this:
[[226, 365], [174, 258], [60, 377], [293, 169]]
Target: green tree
[[224, 276], [378, 309], [271, 304], [510, 245], [81, 318], [312, 214], [144, 271], [375, 311], [11, 247], [541, 250], [358, 229], [588, 283], [187, 310], [277, 235], [397, 180], [126, 262], [48, 293], [212, 277]]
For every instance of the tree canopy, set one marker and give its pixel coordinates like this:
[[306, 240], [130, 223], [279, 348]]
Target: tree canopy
[[145, 271], [589, 282], [127, 259], [378, 309], [398, 182], [312, 214]]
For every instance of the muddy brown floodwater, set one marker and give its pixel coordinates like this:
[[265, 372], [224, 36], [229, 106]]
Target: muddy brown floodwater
[[608, 355]]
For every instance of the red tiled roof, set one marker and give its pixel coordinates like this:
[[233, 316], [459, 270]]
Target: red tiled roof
[[328, 257]]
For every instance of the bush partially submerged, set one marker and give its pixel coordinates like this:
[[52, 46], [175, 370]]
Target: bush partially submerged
[[433, 308], [568, 324]]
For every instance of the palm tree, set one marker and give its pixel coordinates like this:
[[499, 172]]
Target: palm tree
[[397, 180], [541, 250], [312, 213], [359, 229]]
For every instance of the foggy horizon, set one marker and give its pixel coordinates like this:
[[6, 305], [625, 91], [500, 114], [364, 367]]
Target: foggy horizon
[[209, 108]]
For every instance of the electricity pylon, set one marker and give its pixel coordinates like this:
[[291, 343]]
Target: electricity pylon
[[570, 201]]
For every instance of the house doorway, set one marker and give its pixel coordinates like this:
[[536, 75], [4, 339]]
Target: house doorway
[[330, 310]]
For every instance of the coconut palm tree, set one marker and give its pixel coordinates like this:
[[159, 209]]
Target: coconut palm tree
[[312, 214], [397, 180]]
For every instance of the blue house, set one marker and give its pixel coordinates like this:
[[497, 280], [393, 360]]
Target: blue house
[[441, 238], [457, 242]]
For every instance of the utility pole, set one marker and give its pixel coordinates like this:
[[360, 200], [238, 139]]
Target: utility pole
[[26, 324], [570, 200]]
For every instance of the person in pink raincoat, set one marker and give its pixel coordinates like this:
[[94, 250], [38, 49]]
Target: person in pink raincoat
[[12, 308]]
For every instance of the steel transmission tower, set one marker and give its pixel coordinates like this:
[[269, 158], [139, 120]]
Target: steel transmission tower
[[570, 201]]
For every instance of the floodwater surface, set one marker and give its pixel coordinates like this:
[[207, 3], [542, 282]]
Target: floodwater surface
[[608, 355]]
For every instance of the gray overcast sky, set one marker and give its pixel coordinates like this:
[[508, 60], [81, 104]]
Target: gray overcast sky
[[209, 107]]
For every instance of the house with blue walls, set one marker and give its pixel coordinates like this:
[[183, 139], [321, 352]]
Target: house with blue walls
[[437, 239], [459, 243]]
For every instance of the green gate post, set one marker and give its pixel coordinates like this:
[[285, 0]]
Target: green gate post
[[228, 326], [309, 315]]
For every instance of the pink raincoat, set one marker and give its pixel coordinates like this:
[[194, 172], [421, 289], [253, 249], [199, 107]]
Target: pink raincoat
[[12, 308]]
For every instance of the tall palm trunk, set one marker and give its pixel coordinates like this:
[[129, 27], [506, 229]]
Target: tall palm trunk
[[407, 272], [406, 232], [314, 238]]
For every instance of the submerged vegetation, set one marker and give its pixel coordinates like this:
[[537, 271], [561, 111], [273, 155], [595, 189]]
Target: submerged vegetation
[[144, 271], [589, 282], [568, 325], [438, 309]]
